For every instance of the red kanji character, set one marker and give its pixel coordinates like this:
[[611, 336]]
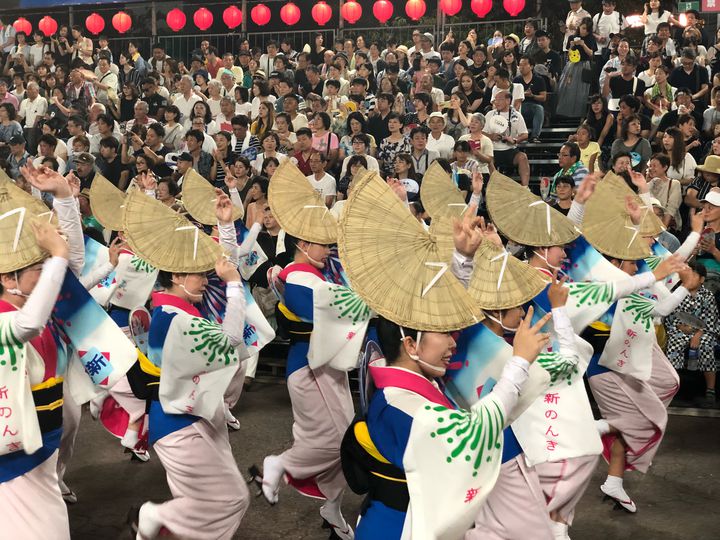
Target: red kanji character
[[14, 446], [552, 415], [550, 432], [620, 363], [3, 392], [552, 398], [551, 445], [189, 409], [350, 335], [631, 333], [5, 412], [471, 494]]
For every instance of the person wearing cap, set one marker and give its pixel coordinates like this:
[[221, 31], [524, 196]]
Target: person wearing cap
[[572, 22], [437, 140], [84, 168], [426, 46], [708, 178], [319, 391], [18, 156], [709, 254]]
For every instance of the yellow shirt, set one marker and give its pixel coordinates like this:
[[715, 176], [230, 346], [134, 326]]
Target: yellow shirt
[[586, 154]]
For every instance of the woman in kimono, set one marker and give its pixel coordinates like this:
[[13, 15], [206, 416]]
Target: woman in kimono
[[324, 344], [194, 360], [422, 481], [32, 357]]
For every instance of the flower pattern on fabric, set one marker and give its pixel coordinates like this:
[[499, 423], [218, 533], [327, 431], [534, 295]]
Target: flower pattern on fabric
[[9, 345], [641, 308], [211, 342], [349, 305], [471, 436], [591, 293], [559, 368], [140, 265]]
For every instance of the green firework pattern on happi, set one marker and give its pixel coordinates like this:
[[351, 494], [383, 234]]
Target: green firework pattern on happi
[[471, 436], [141, 265], [210, 341], [10, 345], [559, 368], [589, 294], [653, 262], [641, 310], [348, 304]]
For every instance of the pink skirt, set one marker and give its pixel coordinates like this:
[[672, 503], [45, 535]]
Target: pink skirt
[[564, 483], [322, 411], [235, 388], [32, 507], [71, 414], [515, 508], [210, 494], [637, 409]]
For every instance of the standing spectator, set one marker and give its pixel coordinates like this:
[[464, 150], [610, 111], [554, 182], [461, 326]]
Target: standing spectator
[[212, 63], [535, 96], [572, 22], [82, 47], [267, 60], [506, 128], [32, 109], [548, 63], [574, 85], [140, 65], [528, 44], [605, 23]]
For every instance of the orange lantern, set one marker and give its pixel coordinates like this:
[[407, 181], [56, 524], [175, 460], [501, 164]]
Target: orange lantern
[[48, 25], [481, 7], [122, 22], [203, 19], [176, 19], [260, 14], [321, 13], [450, 7], [23, 25], [514, 7], [95, 23], [415, 9], [232, 17], [351, 11], [290, 14], [383, 10]]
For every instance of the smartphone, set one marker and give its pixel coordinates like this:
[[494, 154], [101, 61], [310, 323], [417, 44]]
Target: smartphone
[[707, 235], [610, 69]]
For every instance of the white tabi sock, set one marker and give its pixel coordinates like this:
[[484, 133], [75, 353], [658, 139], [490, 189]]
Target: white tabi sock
[[560, 530], [602, 426], [614, 482], [149, 523], [130, 439]]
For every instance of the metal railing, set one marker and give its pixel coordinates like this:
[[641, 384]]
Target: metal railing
[[485, 29]]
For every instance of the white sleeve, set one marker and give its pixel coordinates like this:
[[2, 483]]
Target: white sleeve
[[234, 323], [32, 318], [667, 305], [576, 213], [513, 377], [564, 334], [96, 275], [687, 247], [68, 214], [476, 200], [632, 284], [249, 241], [235, 198], [228, 240], [462, 267]]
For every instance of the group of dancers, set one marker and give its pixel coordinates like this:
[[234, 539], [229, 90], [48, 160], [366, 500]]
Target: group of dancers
[[472, 338]]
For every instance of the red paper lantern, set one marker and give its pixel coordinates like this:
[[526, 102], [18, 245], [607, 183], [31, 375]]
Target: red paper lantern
[[415, 9], [383, 10], [176, 19], [481, 7], [23, 25], [450, 7], [232, 17], [514, 7], [203, 19], [351, 11], [95, 23], [290, 14], [260, 14], [48, 25], [122, 22], [321, 13]]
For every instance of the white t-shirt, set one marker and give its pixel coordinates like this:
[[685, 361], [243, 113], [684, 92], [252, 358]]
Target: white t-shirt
[[518, 92], [443, 146], [686, 169], [605, 25], [185, 106], [516, 127], [326, 186], [62, 166], [486, 149], [653, 20], [372, 164]]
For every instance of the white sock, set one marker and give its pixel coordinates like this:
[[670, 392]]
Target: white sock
[[149, 524], [332, 511], [560, 530], [614, 482], [602, 426], [130, 439]]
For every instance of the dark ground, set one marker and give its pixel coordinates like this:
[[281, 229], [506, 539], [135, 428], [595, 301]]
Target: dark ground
[[677, 500]]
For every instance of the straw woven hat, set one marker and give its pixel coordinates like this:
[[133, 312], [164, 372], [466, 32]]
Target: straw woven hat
[[524, 217], [166, 239], [396, 266], [198, 197], [439, 194], [17, 240], [500, 281], [107, 203], [441, 228], [608, 227], [298, 208]]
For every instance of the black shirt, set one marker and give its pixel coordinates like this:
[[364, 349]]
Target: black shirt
[[155, 103], [693, 80], [308, 88], [551, 60], [619, 87], [377, 126], [536, 85], [670, 119], [111, 169]]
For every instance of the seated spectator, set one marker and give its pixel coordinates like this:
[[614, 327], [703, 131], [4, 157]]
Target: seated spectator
[[353, 166], [564, 191], [622, 83], [18, 156], [323, 140], [422, 157], [682, 164], [47, 144], [535, 94], [321, 181], [110, 165], [666, 190], [84, 169], [456, 119], [407, 175], [243, 142], [688, 127], [166, 192], [683, 105], [270, 143], [589, 149], [708, 178], [621, 163], [632, 143], [437, 140], [481, 147], [667, 239], [505, 127], [9, 126], [257, 199], [689, 74], [202, 160], [361, 147], [570, 165]]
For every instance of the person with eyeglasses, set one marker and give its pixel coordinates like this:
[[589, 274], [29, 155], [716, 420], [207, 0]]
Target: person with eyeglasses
[[692, 76]]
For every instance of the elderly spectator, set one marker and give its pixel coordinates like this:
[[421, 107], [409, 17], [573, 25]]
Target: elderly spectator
[[505, 127], [570, 165]]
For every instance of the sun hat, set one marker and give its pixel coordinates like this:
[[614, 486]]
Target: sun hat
[[198, 197], [396, 266], [166, 239], [107, 203], [501, 281], [524, 217], [513, 37], [710, 165], [712, 196], [608, 227], [17, 239], [439, 194], [298, 208]]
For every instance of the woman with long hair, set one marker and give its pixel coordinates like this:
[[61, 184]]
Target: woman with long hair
[[202, 110], [574, 85], [470, 89], [174, 130], [600, 120], [682, 164], [456, 116], [632, 143], [127, 103], [653, 14], [665, 189], [265, 119], [509, 61], [261, 94], [396, 143], [283, 127], [356, 123]]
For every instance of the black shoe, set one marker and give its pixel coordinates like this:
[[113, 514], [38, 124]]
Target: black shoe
[[707, 401], [133, 519], [535, 140]]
